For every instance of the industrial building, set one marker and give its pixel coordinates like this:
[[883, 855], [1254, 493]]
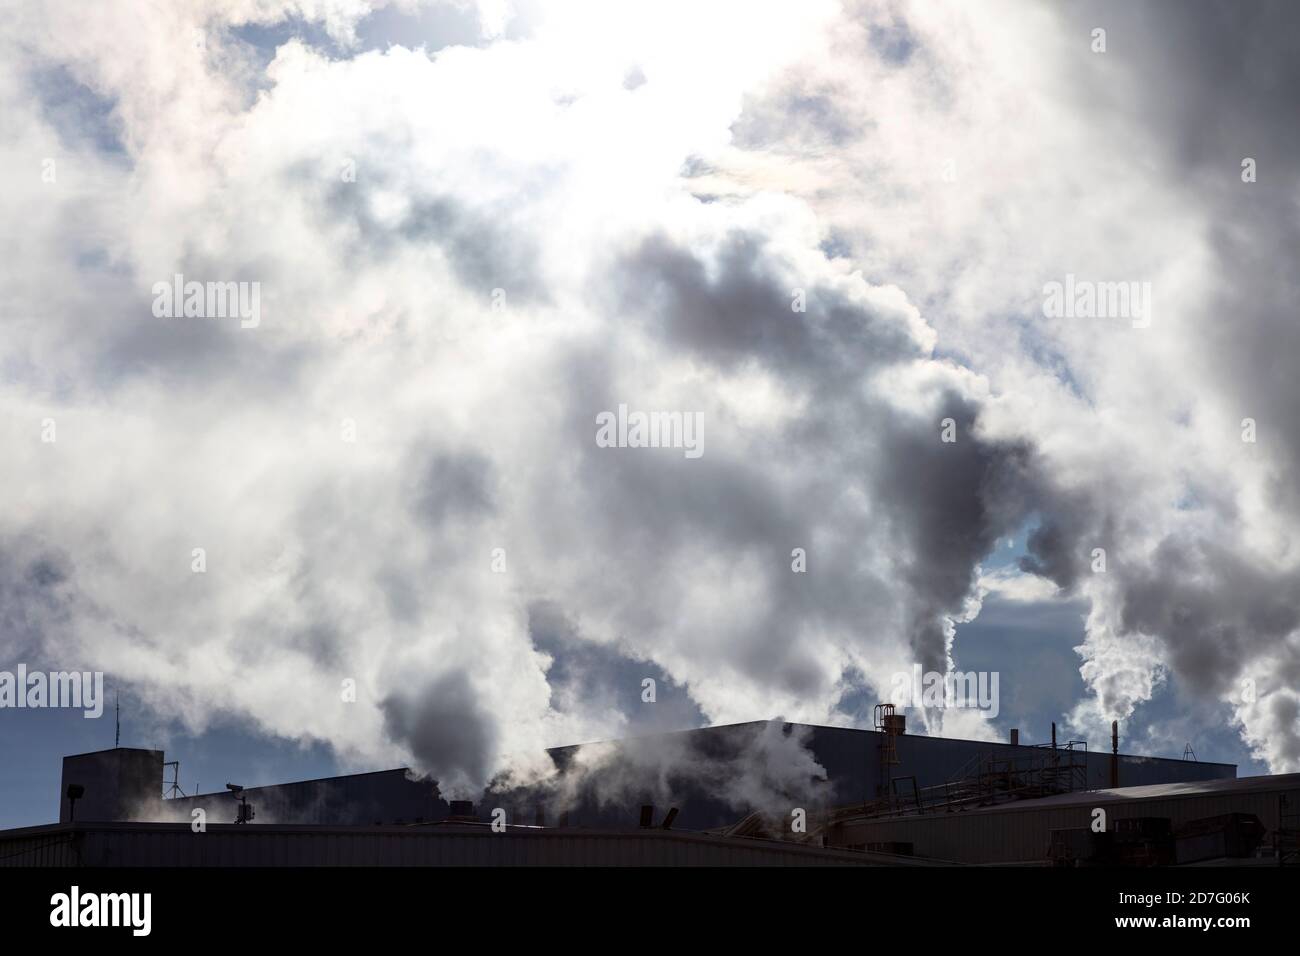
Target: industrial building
[[453, 844], [852, 758], [1172, 823], [886, 797], [863, 767]]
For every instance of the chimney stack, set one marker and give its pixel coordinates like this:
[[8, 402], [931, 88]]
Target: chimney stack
[[1015, 737], [1114, 753]]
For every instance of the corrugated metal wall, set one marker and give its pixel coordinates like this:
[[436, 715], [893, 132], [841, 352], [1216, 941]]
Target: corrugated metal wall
[[228, 845], [1019, 834], [44, 847], [368, 799], [851, 758]]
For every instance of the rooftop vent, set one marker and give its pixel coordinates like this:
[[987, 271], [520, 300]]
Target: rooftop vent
[[461, 811]]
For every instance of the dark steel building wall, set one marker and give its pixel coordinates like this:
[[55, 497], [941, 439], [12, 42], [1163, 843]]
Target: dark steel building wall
[[52, 847], [229, 845], [118, 783], [852, 761], [370, 799], [935, 760], [1020, 834], [851, 758]]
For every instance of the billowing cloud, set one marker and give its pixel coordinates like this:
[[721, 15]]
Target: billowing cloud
[[824, 230]]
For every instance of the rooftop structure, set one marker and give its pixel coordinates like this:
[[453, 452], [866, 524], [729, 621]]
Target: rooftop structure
[[724, 794]]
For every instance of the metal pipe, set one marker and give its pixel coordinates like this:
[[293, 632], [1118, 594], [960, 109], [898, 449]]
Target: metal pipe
[[1114, 753]]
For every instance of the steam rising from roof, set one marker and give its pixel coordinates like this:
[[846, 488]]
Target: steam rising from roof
[[825, 304]]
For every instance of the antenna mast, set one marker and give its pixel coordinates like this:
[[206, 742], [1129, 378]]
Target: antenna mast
[[175, 788]]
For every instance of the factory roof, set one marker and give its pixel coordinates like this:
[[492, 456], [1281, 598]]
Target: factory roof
[[1025, 744], [175, 844], [1158, 791]]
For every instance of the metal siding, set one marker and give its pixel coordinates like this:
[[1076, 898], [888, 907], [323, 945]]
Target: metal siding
[[1022, 834], [851, 758], [225, 844], [354, 800]]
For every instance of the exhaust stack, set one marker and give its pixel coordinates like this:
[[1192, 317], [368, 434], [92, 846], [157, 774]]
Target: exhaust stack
[[1114, 753]]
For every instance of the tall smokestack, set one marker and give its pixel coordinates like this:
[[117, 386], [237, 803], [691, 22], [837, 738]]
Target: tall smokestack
[[1114, 753]]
